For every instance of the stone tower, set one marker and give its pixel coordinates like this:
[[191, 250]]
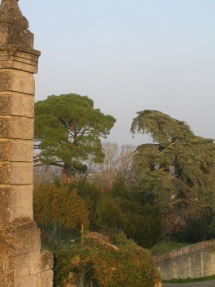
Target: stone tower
[[22, 264]]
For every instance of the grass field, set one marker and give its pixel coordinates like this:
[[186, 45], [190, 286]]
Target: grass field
[[51, 248], [189, 280]]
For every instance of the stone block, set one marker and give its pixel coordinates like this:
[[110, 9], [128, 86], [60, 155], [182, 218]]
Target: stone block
[[21, 128], [16, 202], [47, 278], [20, 60], [24, 236], [16, 173], [5, 105], [5, 151], [28, 281], [16, 128], [5, 173], [16, 81], [21, 151], [35, 262], [6, 265], [36, 280], [22, 105], [5, 126], [47, 261], [4, 205], [21, 202], [21, 265], [21, 173], [16, 150], [16, 105]]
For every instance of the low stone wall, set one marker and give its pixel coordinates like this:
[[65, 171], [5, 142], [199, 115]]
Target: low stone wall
[[193, 261]]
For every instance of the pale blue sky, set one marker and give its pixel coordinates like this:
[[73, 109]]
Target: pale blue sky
[[129, 56]]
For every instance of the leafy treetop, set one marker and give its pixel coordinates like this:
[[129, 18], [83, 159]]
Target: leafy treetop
[[68, 129], [161, 127], [177, 163]]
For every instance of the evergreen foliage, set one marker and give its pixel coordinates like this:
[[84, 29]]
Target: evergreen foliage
[[67, 130], [120, 189], [121, 210], [176, 164], [92, 198], [58, 204], [143, 223]]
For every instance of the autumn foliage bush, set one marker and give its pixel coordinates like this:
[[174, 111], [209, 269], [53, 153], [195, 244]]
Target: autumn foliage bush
[[105, 265], [59, 204]]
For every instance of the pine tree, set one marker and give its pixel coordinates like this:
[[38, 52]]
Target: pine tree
[[68, 129]]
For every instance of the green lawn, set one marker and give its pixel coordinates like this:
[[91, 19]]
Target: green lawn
[[51, 248], [189, 280], [166, 246]]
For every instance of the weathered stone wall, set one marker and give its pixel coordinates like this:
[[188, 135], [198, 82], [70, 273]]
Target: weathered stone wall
[[22, 264], [193, 261]]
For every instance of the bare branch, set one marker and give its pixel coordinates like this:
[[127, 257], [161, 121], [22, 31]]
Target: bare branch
[[182, 183]]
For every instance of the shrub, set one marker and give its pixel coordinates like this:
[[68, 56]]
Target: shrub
[[53, 204], [90, 193], [105, 265]]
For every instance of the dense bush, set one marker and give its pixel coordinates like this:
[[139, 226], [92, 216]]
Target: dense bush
[[91, 195], [120, 210], [145, 227], [58, 204], [105, 265], [143, 223], [58, 209], [191, 224]]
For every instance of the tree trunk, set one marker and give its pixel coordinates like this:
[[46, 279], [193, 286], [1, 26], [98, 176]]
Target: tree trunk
[[65, 174], [74, 178]]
